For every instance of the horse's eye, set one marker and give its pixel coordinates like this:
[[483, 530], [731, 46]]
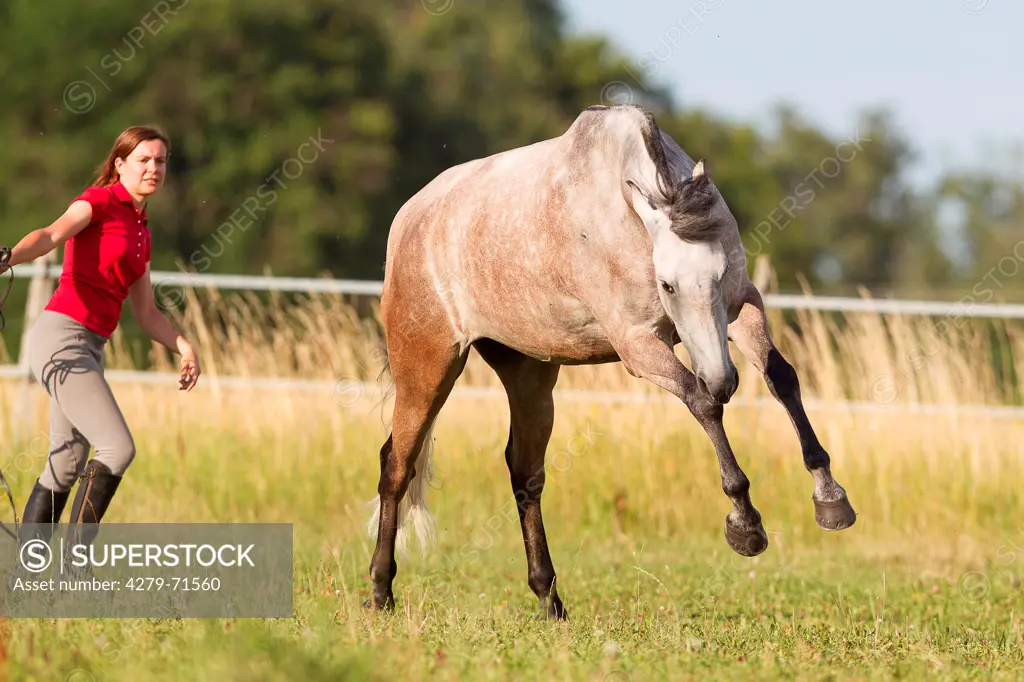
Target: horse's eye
[[668, 287]]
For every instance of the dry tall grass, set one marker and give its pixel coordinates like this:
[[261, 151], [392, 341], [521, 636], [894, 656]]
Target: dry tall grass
[[627, 486], [896, 363], [887, 359]]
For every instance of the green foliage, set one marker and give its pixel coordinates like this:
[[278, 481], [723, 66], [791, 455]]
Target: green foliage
[[300, 128]]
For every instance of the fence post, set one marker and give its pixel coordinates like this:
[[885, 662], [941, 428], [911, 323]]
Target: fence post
[[39, 291], [762, 278]]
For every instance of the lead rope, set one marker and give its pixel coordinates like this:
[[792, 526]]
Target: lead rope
[[5, 258]]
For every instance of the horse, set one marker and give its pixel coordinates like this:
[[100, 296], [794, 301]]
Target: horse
[[605, 244]]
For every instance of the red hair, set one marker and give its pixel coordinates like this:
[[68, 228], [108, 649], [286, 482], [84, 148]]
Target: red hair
[[125, 144]]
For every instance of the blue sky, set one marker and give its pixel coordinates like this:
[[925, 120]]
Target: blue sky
[[952, 71]]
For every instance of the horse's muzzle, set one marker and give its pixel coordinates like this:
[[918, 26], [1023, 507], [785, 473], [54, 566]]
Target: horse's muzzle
[[721, 389]]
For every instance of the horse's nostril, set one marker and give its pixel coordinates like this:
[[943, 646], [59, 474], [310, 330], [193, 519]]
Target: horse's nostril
[[722, 391]]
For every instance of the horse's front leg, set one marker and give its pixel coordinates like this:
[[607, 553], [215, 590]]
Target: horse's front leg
[[832, 510], [648, 357]]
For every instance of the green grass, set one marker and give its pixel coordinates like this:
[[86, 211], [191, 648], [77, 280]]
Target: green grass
[[659, 616], [925, 585]]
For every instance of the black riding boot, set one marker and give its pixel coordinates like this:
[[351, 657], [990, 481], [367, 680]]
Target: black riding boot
[[95, 491], [44, 506], [43, 509]]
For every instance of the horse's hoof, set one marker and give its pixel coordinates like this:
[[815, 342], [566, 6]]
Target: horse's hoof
[[552, 615], [552, 610], [744, 541], [835, 515], [388, 605]]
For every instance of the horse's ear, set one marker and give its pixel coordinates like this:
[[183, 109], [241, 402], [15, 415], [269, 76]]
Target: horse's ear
[[644, 206], [698, 181], [643, 196]]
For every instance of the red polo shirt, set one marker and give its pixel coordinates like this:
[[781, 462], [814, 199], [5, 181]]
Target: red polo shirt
[[103, 260]]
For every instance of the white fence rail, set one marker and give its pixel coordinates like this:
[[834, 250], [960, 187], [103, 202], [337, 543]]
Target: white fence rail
[[328, 390], [46, 273], [779, 301], [359, 287]]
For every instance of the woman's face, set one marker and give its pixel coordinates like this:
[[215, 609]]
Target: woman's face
[[143, 171]]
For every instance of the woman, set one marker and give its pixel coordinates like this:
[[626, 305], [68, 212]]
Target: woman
[[106, 260]]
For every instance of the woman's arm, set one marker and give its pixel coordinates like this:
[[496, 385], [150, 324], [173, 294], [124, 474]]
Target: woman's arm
[[159, 328], [44, 240]]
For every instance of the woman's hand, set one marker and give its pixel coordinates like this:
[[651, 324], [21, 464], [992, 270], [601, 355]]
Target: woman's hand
[[159, 328], [189, 368]]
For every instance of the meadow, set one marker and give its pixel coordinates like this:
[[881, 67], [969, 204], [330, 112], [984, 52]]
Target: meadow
[[926, 584]]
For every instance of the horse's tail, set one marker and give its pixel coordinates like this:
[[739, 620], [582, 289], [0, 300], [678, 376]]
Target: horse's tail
[[386, 369], [412, 512]]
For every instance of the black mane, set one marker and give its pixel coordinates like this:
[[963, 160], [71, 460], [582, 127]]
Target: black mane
[[691, 202]]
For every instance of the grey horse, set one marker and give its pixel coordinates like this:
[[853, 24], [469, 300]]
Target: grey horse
[[604, 244]]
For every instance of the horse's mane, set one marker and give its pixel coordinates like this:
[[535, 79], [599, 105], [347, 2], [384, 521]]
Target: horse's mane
[[692, 211], [691, 202]]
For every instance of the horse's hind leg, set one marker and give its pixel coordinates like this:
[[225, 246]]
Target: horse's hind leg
[[529, 383], [750, 333], [424, 375]]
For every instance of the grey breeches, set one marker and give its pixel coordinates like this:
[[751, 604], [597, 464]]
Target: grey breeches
[[67, 358]]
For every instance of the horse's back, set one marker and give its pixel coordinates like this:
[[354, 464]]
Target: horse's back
[[465, 189], [522, 245]]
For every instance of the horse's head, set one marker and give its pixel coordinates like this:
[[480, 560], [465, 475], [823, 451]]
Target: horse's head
[[686, 221]]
